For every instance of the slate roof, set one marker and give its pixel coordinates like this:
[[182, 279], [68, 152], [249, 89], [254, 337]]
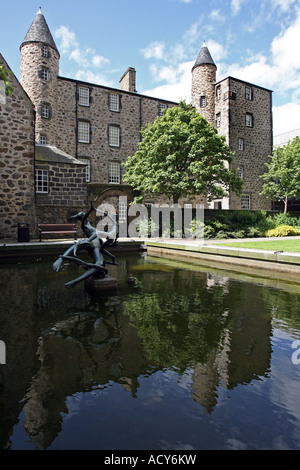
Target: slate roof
[[204, 57], [39, 32], [49, 153]]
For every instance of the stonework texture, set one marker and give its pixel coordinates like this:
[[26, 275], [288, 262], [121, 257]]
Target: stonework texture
[[16, 161]]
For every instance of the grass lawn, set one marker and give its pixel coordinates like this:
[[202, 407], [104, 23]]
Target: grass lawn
[[274, 245]]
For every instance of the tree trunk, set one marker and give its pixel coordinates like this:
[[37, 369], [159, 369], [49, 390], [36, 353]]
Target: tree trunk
[[285, 204]]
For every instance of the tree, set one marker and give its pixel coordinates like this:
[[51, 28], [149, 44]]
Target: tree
[[181, 154], [282, 180], [3, 77]]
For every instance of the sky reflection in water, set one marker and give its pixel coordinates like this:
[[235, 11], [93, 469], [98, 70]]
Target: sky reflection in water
[[186, 358]]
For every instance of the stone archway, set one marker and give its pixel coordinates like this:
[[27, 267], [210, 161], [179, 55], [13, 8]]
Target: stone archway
[[102, 195]]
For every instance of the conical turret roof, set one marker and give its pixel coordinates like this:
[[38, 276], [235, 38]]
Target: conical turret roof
[[39, 32], [204, 57]]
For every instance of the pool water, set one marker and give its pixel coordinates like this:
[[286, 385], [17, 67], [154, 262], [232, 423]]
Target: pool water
[[180, 357]]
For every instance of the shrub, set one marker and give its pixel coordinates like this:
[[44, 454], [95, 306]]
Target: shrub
[[283, 231], [254, 232], [221, 235], [286, 219], [238, 234]]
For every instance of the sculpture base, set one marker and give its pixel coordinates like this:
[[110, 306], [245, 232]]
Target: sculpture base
[[108, 283]]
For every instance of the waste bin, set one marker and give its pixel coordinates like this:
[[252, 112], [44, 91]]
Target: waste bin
[[23, 232]]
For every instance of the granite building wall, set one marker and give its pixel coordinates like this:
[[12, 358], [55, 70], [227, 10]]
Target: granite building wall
[[17, 119]]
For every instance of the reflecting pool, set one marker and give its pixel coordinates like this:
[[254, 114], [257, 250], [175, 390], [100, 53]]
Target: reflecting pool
[[180, 357]]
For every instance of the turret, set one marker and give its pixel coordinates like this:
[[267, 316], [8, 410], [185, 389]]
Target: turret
[[203, 84], [39, 71]]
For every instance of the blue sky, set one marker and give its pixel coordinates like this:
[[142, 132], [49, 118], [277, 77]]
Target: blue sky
[[253, 40]]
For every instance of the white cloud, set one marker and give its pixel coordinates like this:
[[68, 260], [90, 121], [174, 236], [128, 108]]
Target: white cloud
[[178, 87], [99, 60], [216, 16], [236, 6], [217, 50], [155, 50], [283, 4], [67, 38], [286, 118], [86, 58], [91, 77]]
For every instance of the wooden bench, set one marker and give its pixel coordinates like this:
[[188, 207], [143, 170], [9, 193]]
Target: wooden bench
[[47, 229]]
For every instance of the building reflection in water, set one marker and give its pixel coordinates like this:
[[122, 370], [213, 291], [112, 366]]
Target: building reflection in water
[[60, 342]]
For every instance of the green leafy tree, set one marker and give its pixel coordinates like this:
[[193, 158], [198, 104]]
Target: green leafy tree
[[182, 155], [282, 180], [3, 77]]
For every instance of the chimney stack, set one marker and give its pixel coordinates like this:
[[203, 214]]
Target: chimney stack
[[127, 81]]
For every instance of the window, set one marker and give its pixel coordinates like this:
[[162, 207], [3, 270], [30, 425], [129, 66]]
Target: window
[[84, 132], [249, 120], [241, 172], [45, 74], [203, 101], [245, 201], [161, 109], [84, 96], [43, 140], [241, 144], [87, 168], [41, 181], [218, 119], [114, 104], [45, 51], [122, 211], [248, 93], [45, 111], [114, 172], [114, 136], [218, 92]]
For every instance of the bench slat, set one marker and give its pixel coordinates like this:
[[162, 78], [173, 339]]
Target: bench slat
[[57, 229]]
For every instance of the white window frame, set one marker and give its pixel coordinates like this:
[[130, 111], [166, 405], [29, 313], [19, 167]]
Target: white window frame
[[249, 120], [45, 51], [218, 120], [241, 144], [161, 109], [83, 96], [41, 181], [219, 94], [45, 74], [114, 102], [203, 101], [43, 139], [241, 172], [87, 161], [248, 93], [245, 202], [114, 174], [45, 111], [122, 210], [114, 136], [83, 132]]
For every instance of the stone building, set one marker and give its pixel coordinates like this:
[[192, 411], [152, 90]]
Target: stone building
[[242, 112], [16, 159], [78, 134]]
